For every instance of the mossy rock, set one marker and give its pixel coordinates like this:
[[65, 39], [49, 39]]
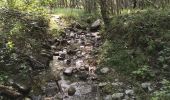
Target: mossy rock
[[108, 89]]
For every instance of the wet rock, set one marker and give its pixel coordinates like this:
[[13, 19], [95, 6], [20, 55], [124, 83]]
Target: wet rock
[[68, 71], [117, 96], [71, 91], [129, 92], [104, 70], [95, 25]]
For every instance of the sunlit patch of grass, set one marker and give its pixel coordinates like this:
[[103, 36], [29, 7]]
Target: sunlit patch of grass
[[69, 12], [53, 24], [130, 11]]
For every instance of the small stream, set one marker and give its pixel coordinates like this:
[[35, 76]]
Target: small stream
[[72, 70]]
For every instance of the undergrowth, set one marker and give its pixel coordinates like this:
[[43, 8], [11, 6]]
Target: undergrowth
[[137, 44]]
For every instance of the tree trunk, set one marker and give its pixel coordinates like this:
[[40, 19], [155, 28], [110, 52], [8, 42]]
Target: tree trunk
[[104, 12]]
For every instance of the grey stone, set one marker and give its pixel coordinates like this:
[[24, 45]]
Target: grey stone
[[96, 25], [53, 47], [104, 70], [102, 84], [117, 95], [82, 68], [145, 85], [68, 71], [129, 92]]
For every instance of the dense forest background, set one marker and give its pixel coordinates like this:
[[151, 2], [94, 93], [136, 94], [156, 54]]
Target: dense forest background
[[135, 43]]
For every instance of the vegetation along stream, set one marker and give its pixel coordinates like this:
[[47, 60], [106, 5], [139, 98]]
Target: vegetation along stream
[[84, 49]]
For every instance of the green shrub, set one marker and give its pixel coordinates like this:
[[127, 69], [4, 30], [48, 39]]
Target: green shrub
[[23, 34], [138, 39]]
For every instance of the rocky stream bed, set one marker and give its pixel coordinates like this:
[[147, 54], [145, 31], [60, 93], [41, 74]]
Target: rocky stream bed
[[72, 70]]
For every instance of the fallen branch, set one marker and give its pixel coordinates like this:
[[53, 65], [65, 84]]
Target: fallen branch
[[9, 91]]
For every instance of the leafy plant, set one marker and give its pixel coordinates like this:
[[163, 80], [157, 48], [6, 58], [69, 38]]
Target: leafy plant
[[143, 73], [164, 92]]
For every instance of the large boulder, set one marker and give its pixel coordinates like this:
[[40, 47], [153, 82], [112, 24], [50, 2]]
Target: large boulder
[[95, 25]]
